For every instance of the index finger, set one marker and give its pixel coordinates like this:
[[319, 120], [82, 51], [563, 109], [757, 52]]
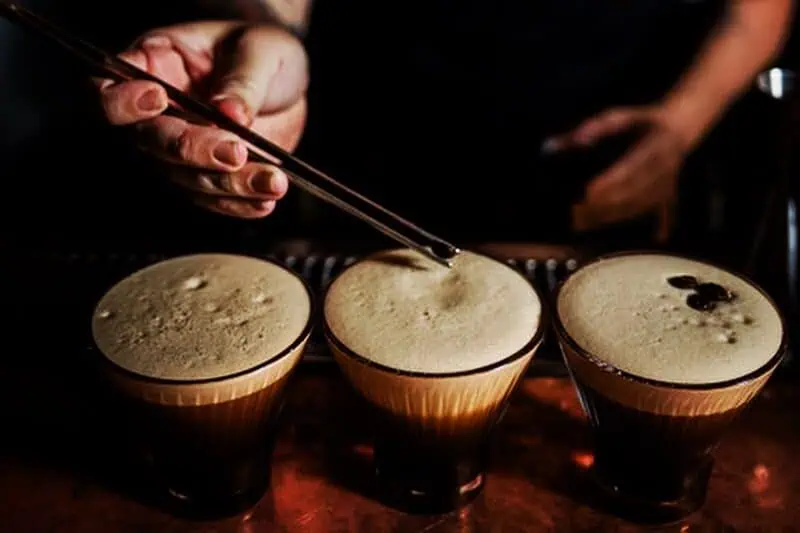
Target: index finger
[[591, 130], [131, 101]]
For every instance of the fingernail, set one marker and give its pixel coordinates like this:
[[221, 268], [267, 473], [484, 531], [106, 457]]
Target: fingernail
[[234, 107], [264, 182], [229, 153], [150, 101], [156, 41]]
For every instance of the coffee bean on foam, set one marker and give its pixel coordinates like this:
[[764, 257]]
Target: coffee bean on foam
[[728, 327]]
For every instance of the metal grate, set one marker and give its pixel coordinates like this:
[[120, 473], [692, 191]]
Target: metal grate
[[90, 274], [317, 270]]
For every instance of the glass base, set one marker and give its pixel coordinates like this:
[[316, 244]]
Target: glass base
[[427, 498], [643, 507], [212, 505]]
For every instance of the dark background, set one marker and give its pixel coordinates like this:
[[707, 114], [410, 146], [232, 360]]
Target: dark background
[[73, 184]]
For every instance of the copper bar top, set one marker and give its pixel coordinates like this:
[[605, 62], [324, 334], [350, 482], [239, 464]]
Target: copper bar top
[[58, 475]]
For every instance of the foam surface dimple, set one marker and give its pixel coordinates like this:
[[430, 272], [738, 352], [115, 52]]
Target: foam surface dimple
[[623, 311], [401, 310], [201, 316]]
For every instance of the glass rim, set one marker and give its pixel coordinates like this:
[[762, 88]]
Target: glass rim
[[564, 335], [304, 334], [535, 339]]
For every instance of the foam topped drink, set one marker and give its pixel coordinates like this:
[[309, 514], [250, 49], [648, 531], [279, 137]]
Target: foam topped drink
[[202, 347], [665, 352], [435, 353]]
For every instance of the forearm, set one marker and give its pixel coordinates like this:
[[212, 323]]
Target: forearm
[[293, 14], [749, 36]]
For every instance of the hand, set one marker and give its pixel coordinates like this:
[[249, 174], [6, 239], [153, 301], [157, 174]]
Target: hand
[[642, 181], [257, 75]]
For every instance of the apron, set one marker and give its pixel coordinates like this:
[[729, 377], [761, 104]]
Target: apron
[[437, 108]]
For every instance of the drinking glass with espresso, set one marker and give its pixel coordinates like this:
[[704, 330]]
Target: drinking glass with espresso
[[665, 352], [435, 354], [201, 348]]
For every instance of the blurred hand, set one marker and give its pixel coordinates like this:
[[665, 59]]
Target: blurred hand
[[643, 181], [257, 75]]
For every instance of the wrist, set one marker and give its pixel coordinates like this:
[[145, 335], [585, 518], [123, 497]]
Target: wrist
[[692, 113], [260, 11]]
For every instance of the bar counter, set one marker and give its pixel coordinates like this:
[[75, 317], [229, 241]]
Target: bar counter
[[64, 475], [61, 467]]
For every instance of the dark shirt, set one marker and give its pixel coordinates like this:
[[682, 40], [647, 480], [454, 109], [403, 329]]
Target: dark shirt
[[438, 109]]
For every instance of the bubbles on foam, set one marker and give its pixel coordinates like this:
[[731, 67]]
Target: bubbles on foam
[[697, 321], [741, 318], [715, 321], [725, 337], [186, 301], [261, 298], [194, 283], [105, 313], [136, 337], [722, 319]]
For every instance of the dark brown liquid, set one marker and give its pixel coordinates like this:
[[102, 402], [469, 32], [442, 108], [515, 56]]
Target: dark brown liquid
[[657, 467], [433, 465], [213, 459]]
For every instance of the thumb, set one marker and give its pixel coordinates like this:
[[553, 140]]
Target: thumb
[[265, 71]]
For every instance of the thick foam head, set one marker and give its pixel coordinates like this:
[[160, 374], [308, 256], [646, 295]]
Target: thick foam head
[[201, 316], [625, 312], [401, 310]]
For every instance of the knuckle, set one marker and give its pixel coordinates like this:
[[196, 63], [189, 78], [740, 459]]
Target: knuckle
[[228, 205], [214, 183], [113, 107], [226, 183], [237, 184], [240, 83], [234, 207], [183, 146], [206, 183]]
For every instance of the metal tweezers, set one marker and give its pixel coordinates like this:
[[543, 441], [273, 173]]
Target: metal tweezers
[[260, 149]]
